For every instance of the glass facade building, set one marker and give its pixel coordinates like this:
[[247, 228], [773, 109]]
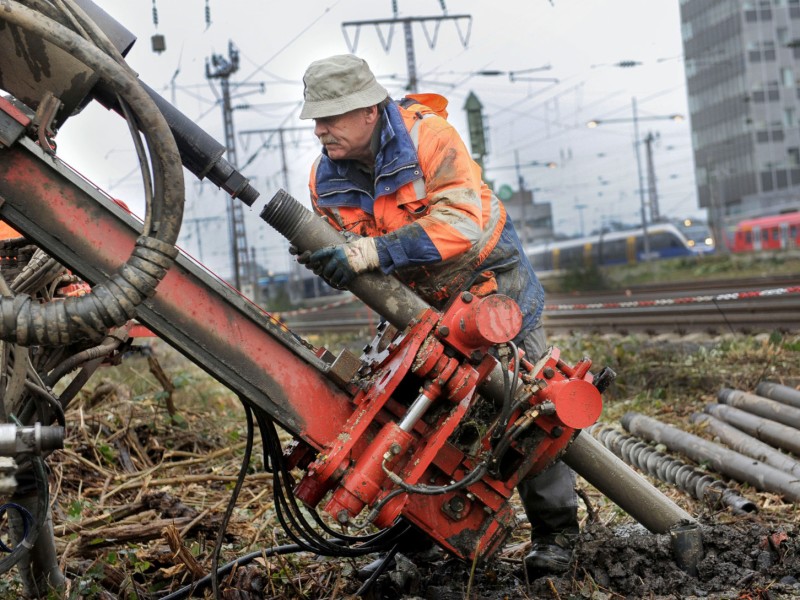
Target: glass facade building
[[742, 75]]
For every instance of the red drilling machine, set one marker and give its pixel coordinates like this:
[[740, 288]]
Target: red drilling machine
[[431, 427]]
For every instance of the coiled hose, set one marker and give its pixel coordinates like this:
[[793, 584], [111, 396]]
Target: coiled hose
[[114, 301]]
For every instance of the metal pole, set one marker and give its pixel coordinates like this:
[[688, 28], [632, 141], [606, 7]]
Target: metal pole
[[763, 407], [411, 60], [521, 189], [224, 68], [641, 182], [775, 434], [652, 192], [746, 444], [780, 393]]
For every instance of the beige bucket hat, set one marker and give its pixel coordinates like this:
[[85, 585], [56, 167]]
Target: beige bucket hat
[[339, 84]]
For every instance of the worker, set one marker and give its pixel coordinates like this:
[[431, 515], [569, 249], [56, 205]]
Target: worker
[[396, 178]]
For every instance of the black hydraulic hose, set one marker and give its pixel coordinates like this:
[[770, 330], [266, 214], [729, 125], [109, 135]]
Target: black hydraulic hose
[[22, 549], [51, 401], [74, 361], [267, 428], [302, 532], [385, 562], [223, 526], [428, 490], [189, 590], [114, 301]]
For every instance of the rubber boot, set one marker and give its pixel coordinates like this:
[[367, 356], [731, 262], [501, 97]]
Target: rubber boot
[[39, 571]]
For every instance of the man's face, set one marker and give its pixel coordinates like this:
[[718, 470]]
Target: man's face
[[348, 136]]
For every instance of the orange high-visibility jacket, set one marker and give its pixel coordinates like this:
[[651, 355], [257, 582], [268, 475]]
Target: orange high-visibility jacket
[[434, 220]]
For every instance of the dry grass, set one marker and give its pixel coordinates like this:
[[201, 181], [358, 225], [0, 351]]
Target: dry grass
[[139, 493]]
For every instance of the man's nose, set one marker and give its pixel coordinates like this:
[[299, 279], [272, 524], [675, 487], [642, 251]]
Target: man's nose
[[319, 128]]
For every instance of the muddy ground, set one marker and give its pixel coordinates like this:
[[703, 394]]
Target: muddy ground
[[139, 496]]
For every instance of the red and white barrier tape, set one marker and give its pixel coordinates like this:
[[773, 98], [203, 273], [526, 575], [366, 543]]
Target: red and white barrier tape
[[672, 301]]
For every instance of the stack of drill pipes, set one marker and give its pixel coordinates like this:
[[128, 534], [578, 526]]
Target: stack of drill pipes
[[721, 459], [763, 407], [747, 445], [775, 434], [700, 485], [780, 393]]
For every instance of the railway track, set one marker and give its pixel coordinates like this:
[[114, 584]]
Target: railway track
[[746, 306]]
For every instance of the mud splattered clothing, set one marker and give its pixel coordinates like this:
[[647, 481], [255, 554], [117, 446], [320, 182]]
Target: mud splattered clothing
[[436, 224]]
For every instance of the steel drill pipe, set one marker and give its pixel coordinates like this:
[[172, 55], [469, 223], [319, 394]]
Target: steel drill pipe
[[775, 434], [721, 459], [746, 444], [763, 407], [698, 484], [397, 303], [780, 393]]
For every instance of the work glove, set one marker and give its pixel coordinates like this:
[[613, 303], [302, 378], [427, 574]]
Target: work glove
[[339, 264]]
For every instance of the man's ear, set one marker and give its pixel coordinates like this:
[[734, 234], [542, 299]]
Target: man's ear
[[371, 114]]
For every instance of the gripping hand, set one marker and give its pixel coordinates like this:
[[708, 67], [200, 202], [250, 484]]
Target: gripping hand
[[339, 264]]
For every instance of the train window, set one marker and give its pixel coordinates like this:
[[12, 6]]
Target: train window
[[765, 235], [748, 237], [793, 231], [571, 257]]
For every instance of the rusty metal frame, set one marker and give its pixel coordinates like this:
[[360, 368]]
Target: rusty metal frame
[[193, 310]]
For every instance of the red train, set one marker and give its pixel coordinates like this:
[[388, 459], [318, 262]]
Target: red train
[[767, 233]]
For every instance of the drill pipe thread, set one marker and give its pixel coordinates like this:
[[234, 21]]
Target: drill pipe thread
[[286, 215], [699, 485]]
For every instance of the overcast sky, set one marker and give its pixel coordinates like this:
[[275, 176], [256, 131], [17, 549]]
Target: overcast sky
[[573, 46]]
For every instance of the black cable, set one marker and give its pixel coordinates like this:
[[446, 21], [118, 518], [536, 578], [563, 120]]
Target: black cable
[[297, 526], [27, 521], [51, 401], [285, 491], [427, 490], [189, 590], [385, 562], [232, 502], [42, 502]]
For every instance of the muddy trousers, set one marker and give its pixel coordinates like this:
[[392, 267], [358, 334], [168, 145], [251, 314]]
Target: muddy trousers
[[549, 497]]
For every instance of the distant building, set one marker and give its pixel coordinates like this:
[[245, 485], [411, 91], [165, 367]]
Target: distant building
[[744, 101], [533, 222]]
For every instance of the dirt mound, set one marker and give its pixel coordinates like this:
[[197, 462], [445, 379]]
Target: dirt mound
[[742, 559]]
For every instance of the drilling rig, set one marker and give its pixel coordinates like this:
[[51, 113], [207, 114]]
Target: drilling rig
[[398, 446]]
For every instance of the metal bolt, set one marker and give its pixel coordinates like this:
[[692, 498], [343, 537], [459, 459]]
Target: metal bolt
[[476, 356], [343, 517], [557, 431], [466, 297], [395, 448], [548, 372], [444, 331]]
